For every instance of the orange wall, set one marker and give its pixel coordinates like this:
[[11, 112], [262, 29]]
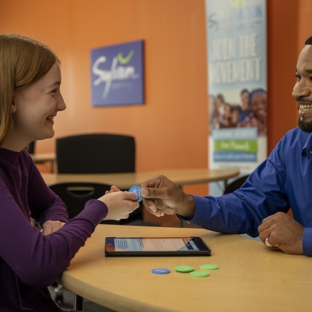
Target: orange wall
[[171, 127], [289, 25]]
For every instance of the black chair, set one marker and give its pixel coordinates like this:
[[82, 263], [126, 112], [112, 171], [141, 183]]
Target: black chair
[[76, 194], [31, 147], [231, 187], [95, 153], [100, 153], [236, 184]]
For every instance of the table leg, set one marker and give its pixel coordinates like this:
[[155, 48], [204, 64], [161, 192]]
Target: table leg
[[181, 221], [78, 303], [225, 184], [52, 166]]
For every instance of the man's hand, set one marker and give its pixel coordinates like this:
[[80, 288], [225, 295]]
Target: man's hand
[[51, 226], [161, 196], [283, 232]]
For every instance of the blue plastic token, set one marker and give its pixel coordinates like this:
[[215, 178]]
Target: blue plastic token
[[136, 190], [160, 271]]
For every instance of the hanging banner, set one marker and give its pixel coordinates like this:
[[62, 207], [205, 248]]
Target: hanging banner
[[237, 84]]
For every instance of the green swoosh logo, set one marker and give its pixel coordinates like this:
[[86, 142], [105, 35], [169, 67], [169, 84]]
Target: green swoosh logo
[[125, 60]]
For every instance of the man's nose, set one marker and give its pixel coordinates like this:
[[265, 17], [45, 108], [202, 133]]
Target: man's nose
[[301, 89]]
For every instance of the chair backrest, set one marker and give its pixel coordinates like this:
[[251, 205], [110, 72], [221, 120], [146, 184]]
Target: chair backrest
[[76, 194], [236, 184], [31, 147], [95, 153]]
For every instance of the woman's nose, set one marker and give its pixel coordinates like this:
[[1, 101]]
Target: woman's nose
[[61, 104]]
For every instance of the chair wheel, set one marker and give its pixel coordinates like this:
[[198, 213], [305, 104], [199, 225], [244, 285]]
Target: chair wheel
[[59, 299]]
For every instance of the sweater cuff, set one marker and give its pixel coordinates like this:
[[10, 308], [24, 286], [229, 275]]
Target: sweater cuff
[[98, 208], [307, 242]]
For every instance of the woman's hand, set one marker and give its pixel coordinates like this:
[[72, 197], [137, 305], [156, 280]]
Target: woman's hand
[[51, 226], [113, 189], [120, 204]]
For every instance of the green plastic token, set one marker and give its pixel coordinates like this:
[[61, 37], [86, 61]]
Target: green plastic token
[[199, 274], [184, 268], [209, 267]]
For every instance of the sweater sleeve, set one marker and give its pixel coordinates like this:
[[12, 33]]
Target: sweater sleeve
[[43, 203], [44, 258], [36, 259]]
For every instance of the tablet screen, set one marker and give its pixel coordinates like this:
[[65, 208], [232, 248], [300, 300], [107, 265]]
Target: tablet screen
[[155, 245]]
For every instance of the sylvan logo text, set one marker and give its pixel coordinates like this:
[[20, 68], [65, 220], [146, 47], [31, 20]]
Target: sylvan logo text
[[117, 74]]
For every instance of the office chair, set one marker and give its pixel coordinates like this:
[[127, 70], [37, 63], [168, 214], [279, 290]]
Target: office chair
[[76, 194], [236, 184], [100, 153], [31, 147], [95, 153]]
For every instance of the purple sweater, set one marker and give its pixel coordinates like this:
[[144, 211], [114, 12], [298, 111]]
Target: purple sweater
[[29, 261]]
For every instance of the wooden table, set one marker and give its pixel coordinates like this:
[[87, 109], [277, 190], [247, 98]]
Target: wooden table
[[250, 277], [44, 157], [126, 180]]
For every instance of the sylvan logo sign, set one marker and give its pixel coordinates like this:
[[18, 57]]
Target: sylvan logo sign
[[117, 74]]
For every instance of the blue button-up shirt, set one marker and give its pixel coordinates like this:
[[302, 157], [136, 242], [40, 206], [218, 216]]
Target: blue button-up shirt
[[281, 182]]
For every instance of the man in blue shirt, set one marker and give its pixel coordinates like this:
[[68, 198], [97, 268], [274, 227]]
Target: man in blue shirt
[[259, 207]]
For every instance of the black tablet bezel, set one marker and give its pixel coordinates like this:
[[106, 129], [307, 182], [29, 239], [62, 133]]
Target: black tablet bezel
[[204, 250]]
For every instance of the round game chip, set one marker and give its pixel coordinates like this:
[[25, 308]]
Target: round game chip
[[184, 268], [136, 190], [160, 271], [199, 274], [209, 267]]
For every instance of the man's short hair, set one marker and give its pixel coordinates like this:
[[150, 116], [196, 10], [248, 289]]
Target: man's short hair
[[309, 41]]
